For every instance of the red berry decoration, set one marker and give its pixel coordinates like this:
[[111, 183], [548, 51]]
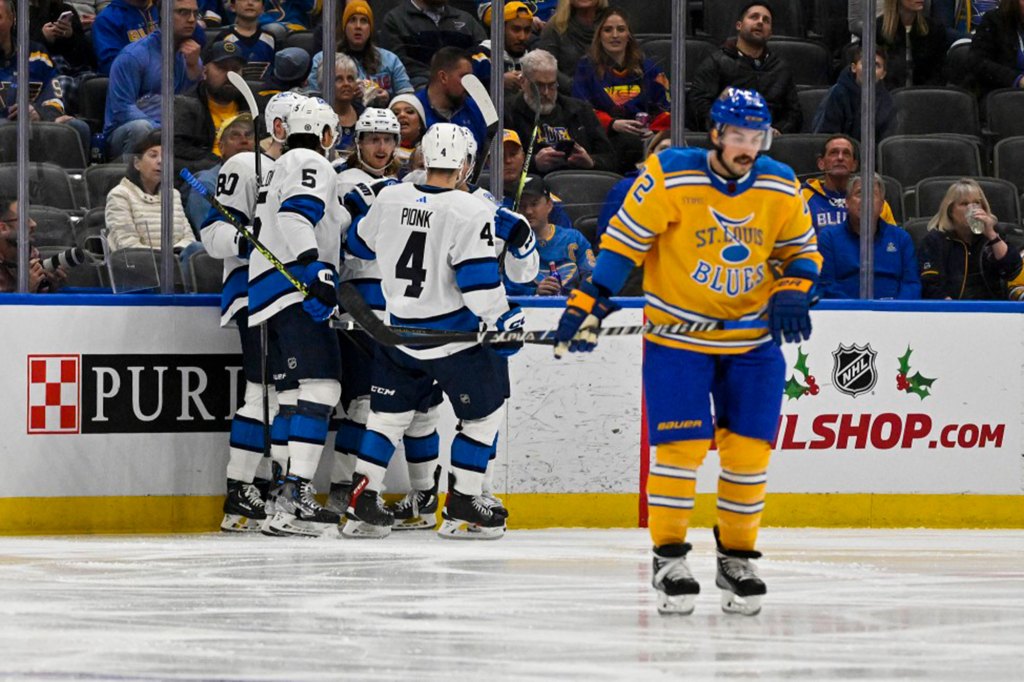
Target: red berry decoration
[[815, 390], [806, 391]]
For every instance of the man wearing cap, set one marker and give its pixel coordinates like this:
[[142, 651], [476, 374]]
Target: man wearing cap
[[513, 159], [256, 46], [518, 24], [566, 257], [291, 66], [416, 29], [133, 99], [198, 117]]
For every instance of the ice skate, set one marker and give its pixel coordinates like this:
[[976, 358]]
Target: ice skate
[[418, 509], [244, 511], [366, 513], [297, 512], [677, 589], [737, 577], [469, 518]]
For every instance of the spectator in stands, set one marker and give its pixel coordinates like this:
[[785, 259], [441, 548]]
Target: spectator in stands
[[120, 23], [570, 136], [133, 101], [959, 263], [255, 46], [132, 212], [661, 141], [291, 67], [348, 103], [39, 279], [997, 50], [569, 34], [746, 62], [566, 257], [235, 136], [46, 98], [417, 29], [896, 272], [826, 196], [381, 71], [839, 112], [629, 93], [513, 157], [87, 11], [915, 44], [293, 15], [199, 115], [412, 119], [444, 99], [65, 39], [518, 23], [214, 14]]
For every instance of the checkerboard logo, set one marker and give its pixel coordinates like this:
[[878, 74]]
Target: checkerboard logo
[[53, 394]]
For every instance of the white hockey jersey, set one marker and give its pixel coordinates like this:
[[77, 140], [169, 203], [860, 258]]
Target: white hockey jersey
[[298, 217], [236, 190], [361, 273], [519, 269], [439, 269]]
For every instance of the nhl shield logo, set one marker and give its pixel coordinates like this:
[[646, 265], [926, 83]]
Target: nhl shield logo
[[853, 369]]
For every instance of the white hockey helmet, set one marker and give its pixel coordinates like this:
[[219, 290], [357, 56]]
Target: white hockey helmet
[[279, 106], [374, 120], [310, 117], [471, 148], [444, 147]]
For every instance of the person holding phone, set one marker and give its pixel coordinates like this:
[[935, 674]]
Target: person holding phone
[[58, 26], [568, 133]]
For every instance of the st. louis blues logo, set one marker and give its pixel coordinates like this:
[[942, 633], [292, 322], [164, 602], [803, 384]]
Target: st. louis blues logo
[[734, 251]]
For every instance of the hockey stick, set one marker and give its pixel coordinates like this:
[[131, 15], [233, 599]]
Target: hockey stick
[[386, 335], [529, 150], [254, 112], [479, 93]]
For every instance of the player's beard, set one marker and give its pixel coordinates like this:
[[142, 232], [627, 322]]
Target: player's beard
[[731, 166]]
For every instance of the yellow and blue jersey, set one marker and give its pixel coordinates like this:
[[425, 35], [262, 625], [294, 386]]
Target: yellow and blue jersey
[[708, 244]]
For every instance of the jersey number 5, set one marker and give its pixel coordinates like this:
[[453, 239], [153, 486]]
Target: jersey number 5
[[410, 264]]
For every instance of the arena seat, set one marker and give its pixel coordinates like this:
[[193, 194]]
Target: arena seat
[[205, 272], [917, 228], [55, 143], [53, 226], [808, 60], [926, 110], [810, 100], [912, 158], [582, 192], [92, 101], [1003, 112], [102, 178], [799, 151], [48, 185], [1007, 157], [87, 232], [660, 52]]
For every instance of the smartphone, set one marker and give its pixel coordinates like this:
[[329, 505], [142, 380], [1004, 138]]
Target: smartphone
[[567, 147], [66, 17]]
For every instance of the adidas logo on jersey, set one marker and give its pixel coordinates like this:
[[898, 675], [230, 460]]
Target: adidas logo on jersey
[[421, 200]]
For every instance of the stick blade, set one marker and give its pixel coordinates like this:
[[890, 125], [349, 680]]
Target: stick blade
[[243, 87], [482, 98]]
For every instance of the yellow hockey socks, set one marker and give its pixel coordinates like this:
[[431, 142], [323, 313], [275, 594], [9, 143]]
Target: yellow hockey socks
[[741, 488], [670, 489]]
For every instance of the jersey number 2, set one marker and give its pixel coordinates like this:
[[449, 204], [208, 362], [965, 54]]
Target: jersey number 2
[[410, 264]]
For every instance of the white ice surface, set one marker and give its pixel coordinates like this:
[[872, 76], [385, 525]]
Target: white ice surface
[[559, 604]]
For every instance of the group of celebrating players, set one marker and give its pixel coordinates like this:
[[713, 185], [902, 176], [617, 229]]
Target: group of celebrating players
[[727, 245]]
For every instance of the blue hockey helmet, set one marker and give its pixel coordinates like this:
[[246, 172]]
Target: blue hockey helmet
[[743, 109]]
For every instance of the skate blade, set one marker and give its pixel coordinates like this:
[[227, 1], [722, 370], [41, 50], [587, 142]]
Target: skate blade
[[284, 524], [463, 530], [744, 606], [362, 530], [676, 605], [415, 523], [236, 523]]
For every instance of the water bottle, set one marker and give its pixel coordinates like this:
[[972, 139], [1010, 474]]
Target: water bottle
[[976, 224]]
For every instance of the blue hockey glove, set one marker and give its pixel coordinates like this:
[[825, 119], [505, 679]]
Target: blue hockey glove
[[789, 310], [512, 320], [512, 228], [359, 199], [577, 328], [322, 294]]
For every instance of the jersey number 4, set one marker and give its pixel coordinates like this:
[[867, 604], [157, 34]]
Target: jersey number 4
[[410, 264]]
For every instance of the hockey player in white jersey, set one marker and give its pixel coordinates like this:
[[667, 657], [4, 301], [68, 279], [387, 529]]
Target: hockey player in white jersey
[[248, 475], [435, 249], [371, 166], [299, 219]]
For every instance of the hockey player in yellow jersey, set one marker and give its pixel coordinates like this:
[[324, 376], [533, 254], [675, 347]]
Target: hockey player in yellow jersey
[[708, 226]]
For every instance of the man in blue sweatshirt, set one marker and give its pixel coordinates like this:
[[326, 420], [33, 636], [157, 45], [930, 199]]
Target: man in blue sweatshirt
[[123, 22], [133, 101], [896, 268]]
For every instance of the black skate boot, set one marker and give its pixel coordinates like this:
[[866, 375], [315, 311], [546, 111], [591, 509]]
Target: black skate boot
[[296, 511], [418, 509], [737, 578], [244, 511], [677, 590], [337, 499], [367, 515], [469, 518]]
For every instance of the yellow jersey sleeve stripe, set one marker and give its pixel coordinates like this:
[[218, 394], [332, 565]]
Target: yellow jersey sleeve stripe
[[633, 226], [688, 181], [788, 190], [619, 235], [802, 239]]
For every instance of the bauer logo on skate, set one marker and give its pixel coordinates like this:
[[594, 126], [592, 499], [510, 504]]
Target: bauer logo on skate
[[132, 393]]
